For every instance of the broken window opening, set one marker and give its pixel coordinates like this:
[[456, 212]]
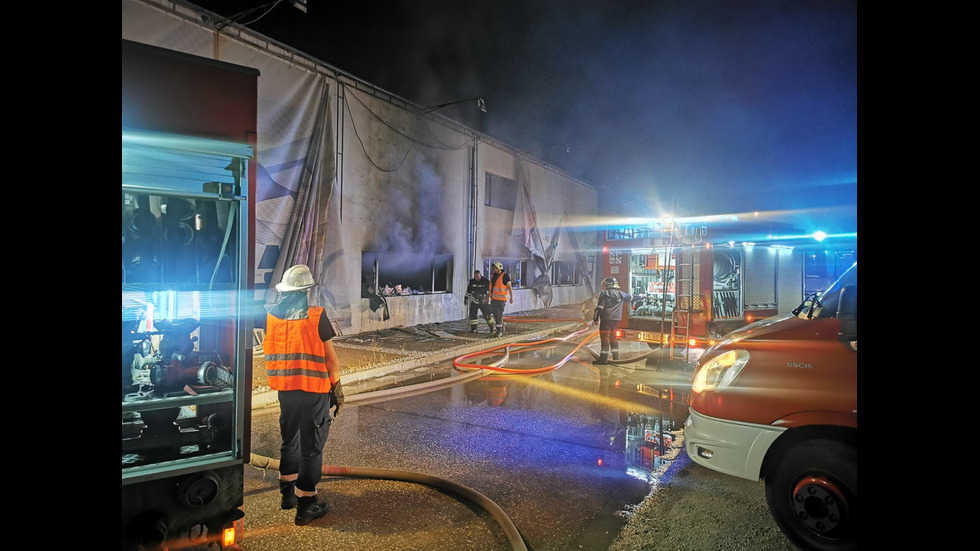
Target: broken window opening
[[564, 273], [400, 274]]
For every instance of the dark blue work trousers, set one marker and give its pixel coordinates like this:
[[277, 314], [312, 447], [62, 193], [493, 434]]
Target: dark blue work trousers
[[608, 340], [304, 425]]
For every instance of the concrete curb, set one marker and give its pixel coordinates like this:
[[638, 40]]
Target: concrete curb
[[268, 398]]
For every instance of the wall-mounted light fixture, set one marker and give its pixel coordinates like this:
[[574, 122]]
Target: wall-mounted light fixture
[[540, 152]]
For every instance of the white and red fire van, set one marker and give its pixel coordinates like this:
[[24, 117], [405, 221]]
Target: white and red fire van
[[776, 400]]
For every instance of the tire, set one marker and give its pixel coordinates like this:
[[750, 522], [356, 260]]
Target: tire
[[812, 495]]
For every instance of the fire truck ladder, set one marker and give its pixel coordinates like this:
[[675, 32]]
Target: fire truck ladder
[[684, 297], [663, 298]]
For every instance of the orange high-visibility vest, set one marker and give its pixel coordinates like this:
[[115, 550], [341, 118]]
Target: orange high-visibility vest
[[498, 291], [295, 357]]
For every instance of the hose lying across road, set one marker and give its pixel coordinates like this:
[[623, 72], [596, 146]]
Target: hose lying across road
[[460, 365], [513, 535], [472, 371]]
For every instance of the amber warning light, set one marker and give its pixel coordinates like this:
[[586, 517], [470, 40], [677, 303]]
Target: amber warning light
[[231, 536]]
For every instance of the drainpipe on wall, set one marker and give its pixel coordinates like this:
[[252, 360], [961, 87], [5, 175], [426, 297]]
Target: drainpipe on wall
[[472, 217], [339, 150]]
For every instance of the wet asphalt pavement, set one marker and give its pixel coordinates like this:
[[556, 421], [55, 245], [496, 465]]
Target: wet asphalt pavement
[[549, 450], [564, 459]]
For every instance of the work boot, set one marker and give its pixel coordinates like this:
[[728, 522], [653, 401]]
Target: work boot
[[473, 328], [615, 356], [309, 509], [288, 491], [603, 359]]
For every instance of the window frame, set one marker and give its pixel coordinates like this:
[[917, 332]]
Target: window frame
[[500, 192], [560, 269], [439, 280], [517, 268]]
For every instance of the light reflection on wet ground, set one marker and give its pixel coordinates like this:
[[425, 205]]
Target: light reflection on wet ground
[[563, 453]]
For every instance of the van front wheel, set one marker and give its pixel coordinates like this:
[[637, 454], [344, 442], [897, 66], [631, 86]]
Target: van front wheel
[[812, 495]]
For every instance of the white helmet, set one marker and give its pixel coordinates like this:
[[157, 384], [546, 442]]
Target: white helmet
[[499, 265], [296, 278]]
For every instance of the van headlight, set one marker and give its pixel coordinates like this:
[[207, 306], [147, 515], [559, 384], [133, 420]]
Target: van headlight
[[720, 372]]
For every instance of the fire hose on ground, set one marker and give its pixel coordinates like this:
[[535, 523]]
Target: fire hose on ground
[[541, 345], [507, 525], [471, 371], [513, 535]]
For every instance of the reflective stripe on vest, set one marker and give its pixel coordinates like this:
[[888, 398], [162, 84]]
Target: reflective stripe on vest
[[295, 357], [498, 291]]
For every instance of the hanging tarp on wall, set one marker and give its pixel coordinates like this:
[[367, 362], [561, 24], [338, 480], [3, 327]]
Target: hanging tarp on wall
[[532, 238], [314, 213], [526, 230]]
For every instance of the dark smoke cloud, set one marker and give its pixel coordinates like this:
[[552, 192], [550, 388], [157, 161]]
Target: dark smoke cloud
[[411, 223], [712, 106]]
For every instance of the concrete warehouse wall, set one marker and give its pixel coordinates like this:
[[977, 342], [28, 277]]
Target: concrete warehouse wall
[[391, 180]]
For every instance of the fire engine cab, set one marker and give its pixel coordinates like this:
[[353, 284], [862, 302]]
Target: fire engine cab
[[188, 147]]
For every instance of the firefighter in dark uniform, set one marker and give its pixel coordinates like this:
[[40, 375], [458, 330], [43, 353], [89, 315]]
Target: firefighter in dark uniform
[[608, 314], [500, 291], [303, 366], [478, 296]]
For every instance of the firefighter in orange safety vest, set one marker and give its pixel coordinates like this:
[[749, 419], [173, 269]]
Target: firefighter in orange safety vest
[[500, 290], [302, 365]]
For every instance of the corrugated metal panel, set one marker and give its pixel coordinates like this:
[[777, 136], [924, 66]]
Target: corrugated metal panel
[[759, 283], [790, 292]]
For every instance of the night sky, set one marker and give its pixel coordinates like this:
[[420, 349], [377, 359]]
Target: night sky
[[693, 107]]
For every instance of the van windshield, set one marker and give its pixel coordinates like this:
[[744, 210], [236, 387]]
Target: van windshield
[[827, 302]]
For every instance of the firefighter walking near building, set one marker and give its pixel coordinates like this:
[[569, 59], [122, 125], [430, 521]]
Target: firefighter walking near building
[[501, 291], [478, 297], [303, 366], [608, 314]]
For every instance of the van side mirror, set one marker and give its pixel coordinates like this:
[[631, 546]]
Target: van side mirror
[[847, 313]]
